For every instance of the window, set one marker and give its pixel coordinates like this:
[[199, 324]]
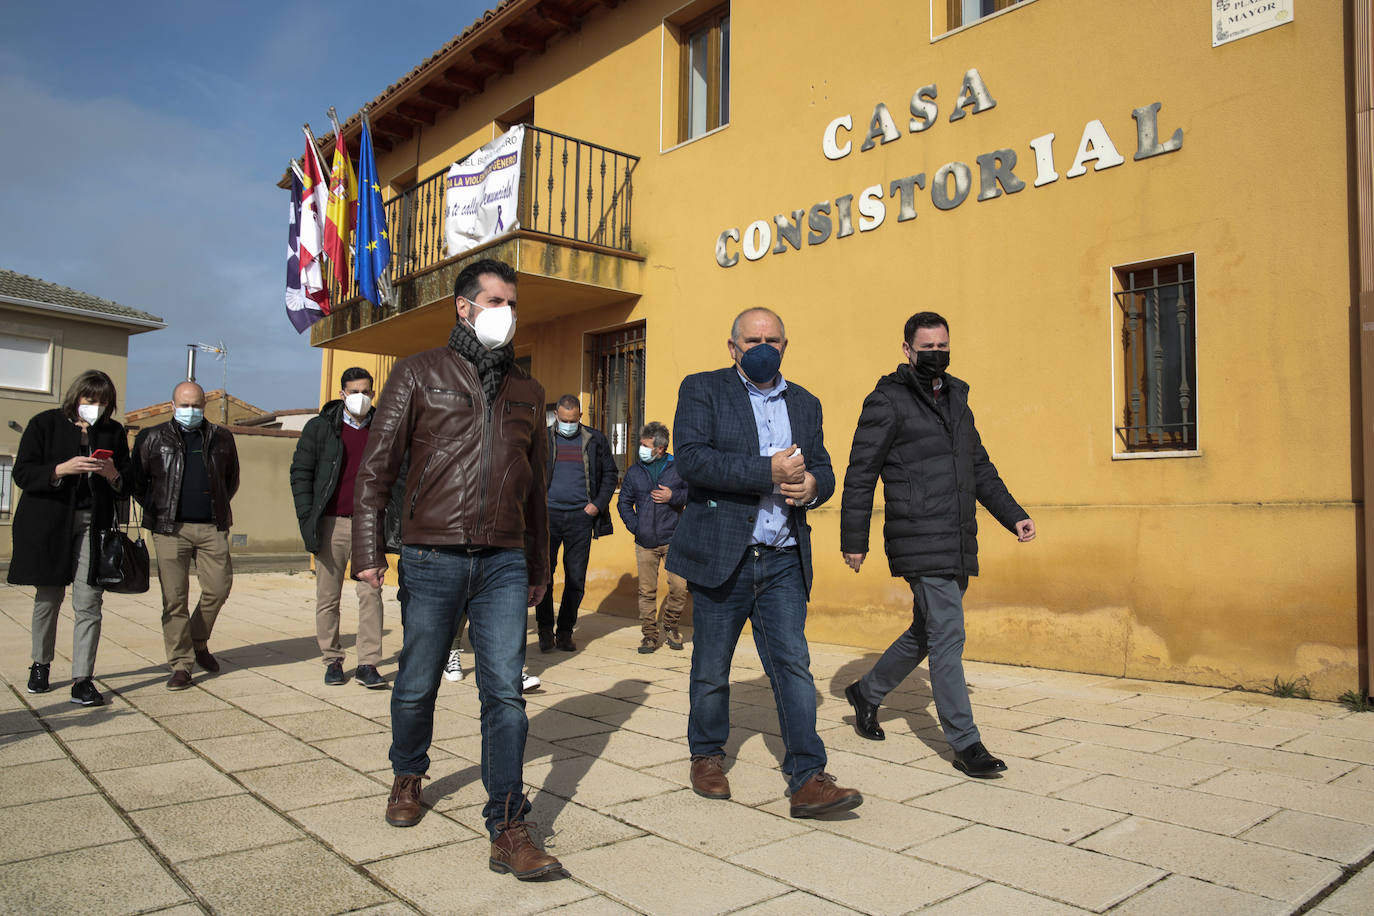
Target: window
[[617, 403], [25, 362], [704, 84], [967, 12], [6, 484], [1158, 390]]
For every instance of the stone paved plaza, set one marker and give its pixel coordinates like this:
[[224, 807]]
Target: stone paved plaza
[[261, 790]]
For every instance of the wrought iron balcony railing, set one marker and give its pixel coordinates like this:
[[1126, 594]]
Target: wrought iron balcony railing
[[569, 189]]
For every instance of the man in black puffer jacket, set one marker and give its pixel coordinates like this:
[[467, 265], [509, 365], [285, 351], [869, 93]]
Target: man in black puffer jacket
[[916, 432]]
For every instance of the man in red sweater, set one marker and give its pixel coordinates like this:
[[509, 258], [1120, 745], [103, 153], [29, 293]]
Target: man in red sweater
[[323, 469]]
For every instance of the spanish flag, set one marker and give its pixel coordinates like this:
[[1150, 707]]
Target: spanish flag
[[341, 215]]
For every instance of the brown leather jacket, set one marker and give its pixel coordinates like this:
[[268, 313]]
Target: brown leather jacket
[[159, 458], [476, 475]]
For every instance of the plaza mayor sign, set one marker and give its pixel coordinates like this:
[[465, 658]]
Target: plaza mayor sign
[[948, 187]]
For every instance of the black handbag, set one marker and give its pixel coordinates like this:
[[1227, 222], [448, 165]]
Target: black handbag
[[122, 563]]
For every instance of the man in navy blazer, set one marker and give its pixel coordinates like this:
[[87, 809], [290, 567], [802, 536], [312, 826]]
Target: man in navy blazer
[[751, 450]]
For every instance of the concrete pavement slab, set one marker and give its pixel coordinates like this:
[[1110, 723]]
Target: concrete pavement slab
[[1171, 805], [996, 898], [1179, 895], [24, 783], [685, 883], [131, 749], [455, 880], [254, 750], [1351, 898], [356, 830], [1263, 760], [157, 784], [985, 802], [1075, 876], [301, 878], [111, 880], [878, 822], [719, 827], [313, 782], [198, 828], [1300, 795], [1264, 870], [824, 865], [1341, 841], [43, 828]]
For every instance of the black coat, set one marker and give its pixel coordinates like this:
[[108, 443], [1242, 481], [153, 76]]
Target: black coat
[[651, 523], [42, 529], [315, 468], [934, 471]]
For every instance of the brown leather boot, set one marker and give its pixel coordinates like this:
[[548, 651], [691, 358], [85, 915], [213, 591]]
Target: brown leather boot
[[513, 851], [403, 807], [708, 777], [820, 795]]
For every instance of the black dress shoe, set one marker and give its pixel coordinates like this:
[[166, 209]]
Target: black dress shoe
[[545, 640], [865, 714], [976, 761]]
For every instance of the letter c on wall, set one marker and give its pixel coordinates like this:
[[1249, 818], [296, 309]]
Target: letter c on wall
[[724, 258], [829, 138]]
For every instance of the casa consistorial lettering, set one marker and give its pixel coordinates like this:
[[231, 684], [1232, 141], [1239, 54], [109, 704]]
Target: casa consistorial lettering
[[949, 186]]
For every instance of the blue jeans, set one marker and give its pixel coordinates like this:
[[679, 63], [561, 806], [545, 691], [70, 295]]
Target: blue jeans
[[766, 589], [491, 586], [573, 531]]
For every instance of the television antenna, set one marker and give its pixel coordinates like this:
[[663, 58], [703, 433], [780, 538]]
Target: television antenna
[[222, 355]]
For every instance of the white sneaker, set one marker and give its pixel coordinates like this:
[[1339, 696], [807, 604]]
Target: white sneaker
[[453, 670], [528, 681]]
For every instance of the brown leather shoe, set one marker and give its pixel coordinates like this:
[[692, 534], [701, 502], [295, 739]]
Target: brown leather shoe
[[179, 680], [513, 851], [708, 777], [820, 795], [403, 807]]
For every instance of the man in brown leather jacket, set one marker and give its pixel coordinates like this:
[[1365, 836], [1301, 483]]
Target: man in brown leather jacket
[[185, 471], [474, 529]]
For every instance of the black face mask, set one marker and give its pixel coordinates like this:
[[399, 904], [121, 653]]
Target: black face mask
[[930, 363]]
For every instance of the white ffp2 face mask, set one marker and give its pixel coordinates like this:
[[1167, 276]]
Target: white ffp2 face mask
[[357, 404], [89, 412], [495, 326]]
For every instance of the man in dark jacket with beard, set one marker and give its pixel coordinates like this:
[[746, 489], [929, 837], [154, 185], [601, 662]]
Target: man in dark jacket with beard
[[916, 432], [323, 470]]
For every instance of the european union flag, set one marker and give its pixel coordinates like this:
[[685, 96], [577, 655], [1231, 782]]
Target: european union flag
[[372, 245]]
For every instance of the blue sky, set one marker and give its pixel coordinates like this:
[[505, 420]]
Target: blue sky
[[143, 142]]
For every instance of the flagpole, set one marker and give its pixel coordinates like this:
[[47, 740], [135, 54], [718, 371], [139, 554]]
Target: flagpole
[[296, 168]]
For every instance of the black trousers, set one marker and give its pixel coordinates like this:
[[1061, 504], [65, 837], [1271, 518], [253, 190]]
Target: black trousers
[[571, 529]]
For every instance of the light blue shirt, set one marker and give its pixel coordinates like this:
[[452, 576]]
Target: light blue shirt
[[772, 526]]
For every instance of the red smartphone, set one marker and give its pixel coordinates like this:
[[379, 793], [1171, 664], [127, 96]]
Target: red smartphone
[[102, 454]]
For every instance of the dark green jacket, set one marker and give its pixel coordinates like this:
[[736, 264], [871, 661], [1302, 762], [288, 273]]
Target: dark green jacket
[[315, 469]]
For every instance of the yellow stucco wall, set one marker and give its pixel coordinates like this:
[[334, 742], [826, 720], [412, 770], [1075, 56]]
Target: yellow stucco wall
[[1230, 567]]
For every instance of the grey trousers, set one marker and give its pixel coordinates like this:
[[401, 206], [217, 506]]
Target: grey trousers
[[937, 630], [47, 600]]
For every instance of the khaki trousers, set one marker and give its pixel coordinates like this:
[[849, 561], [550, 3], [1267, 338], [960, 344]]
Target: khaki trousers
[[183, 630], [331, 571], [648, 560]]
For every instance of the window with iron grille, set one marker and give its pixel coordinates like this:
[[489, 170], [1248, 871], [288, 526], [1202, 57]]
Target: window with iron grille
[[705, 74], [1158, 391], [966, 12], [617, 386], [6, 484]]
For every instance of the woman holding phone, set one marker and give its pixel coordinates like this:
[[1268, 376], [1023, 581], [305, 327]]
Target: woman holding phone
[[71, 466]]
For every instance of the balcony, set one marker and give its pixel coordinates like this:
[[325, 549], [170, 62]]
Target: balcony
[[574, 249]]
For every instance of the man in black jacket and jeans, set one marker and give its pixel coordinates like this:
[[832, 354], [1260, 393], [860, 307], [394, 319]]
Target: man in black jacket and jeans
[[917, 433], [323, 469], [582, 478]]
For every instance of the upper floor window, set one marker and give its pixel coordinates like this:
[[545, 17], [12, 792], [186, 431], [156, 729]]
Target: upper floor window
[[1158, 389], [966, 12], [26, 362], [704, 86]]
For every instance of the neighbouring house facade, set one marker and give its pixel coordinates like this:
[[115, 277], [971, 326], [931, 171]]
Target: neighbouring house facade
[[1149, 226], [50, 334]]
